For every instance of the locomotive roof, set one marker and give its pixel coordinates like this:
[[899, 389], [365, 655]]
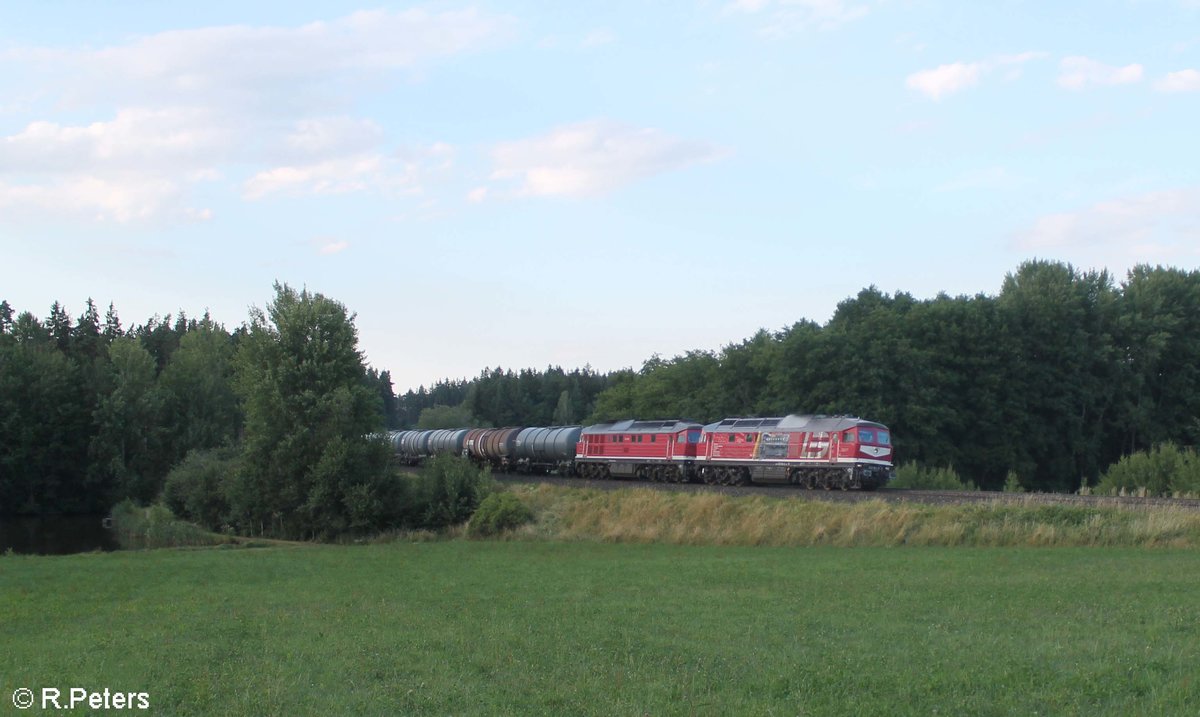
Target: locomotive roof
[[631, 426], [818, 423]]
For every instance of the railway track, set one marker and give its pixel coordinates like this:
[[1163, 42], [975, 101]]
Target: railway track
[[895, 495]]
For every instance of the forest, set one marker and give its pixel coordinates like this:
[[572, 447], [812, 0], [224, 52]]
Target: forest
[[1055, 378]]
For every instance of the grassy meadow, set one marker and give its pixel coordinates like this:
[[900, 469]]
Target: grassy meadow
[[588, 627]]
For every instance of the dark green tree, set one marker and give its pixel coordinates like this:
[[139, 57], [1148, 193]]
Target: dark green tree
[[112, 324], [564, 414], [127, 453], [310, 467], [1159, 343], [1063, 378], [201, 407], [43, 426], [446, 417]]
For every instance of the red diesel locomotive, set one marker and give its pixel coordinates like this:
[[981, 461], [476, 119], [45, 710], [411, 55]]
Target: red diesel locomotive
[[813, 451]]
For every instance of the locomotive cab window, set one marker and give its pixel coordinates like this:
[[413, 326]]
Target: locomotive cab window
[[848, 437], [866, 436], [882, 438]]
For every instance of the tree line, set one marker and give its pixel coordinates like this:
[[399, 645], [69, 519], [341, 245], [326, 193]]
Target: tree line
[[1052, 380], [92, 412], [499, 397]]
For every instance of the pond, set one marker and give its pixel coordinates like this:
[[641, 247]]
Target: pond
[[55, 534]]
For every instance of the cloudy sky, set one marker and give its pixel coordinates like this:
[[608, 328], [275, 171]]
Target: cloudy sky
[[532, 184]]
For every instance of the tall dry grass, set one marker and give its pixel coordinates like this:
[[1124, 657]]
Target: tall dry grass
[[651, 516]]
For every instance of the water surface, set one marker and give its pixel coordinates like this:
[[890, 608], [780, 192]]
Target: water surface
[[55, 534]]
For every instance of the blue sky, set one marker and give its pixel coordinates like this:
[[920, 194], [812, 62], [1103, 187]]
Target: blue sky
[[529, 184]]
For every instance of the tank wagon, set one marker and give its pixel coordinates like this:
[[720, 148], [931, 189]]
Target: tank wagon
[[547, 450], [525, 450], [829, 452]]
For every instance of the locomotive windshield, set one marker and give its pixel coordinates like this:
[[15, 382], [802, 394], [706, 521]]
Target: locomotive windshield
[[878, 437]]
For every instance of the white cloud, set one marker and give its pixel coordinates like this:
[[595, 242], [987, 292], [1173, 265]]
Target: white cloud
[[119, 199], [137, 138], [478, 194], [267, 68], [788, 16], [1077, 73], [400, 172], [1150, 227], [333, 247], [593, 157], [1182, 81], [190, 101], [325, 136], [947, 79], [334, 176]]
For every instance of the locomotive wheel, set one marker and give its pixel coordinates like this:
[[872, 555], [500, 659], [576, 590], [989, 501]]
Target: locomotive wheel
[[739, 476]]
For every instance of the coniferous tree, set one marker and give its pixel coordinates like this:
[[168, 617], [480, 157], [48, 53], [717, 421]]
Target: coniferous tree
[[112, 324], [201, 407], [127, 450]]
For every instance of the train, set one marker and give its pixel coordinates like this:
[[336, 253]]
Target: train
[[812, 451]]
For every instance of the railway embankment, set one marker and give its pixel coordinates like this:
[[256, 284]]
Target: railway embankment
[[646, 515]]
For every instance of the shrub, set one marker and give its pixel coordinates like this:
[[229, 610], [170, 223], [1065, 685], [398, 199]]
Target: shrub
[[1166, 469], [448, 490], [497, 513], [911, 475], [196, 488], [1012, 483], [156, 526]]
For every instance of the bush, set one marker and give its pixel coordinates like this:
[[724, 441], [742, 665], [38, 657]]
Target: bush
[[156, 527], [1012, 483], [1166, 469], [911, 475], [448, 490], [196, 489], [497, 513]]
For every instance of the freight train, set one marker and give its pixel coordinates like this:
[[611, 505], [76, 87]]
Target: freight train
[[829, 452]]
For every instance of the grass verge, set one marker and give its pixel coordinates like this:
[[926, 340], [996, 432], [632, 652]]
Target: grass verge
[[640, 515]]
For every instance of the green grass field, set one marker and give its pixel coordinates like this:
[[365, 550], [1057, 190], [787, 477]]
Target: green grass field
[[460, 627]]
